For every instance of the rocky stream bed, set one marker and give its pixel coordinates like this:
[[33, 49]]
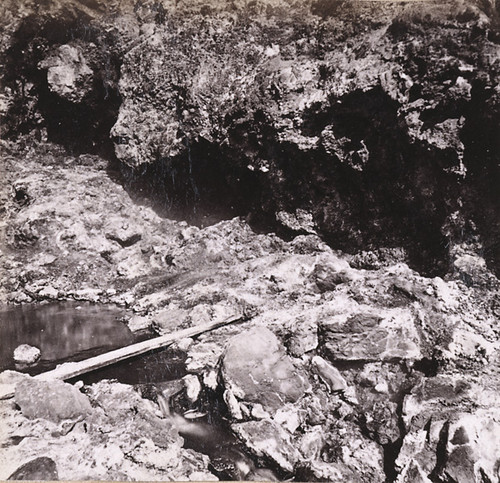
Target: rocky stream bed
[[328, 168]]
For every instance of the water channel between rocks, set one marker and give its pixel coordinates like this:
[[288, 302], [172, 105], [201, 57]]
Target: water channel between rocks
[[73, 331]]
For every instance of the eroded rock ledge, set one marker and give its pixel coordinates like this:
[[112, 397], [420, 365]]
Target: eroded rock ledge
[[373, 125]]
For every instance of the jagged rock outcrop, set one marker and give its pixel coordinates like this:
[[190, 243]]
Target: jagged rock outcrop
[[376, 124]]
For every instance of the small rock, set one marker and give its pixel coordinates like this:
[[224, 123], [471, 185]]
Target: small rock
[[203, 355], [357, 457], [316, 409], [301, 221], [328, 275], [312, 443], [302, 335], [258, 412], [87, 294], [382, 387], [169, 319], [193, 387], [288, 417], [304, 244], [366, 260], [68, 74], [329, 374], [139, 322], [46, 259], [49, 293], [52, 400], [210, 379], [184, 344], [39, 469], [26, 354], [233, 405]]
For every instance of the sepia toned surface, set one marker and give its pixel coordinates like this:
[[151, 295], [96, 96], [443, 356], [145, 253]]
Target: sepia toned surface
[[328, 168]]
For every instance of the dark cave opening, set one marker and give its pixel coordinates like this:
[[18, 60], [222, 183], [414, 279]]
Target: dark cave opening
[[480, 135], [400, 199], [197, 186]]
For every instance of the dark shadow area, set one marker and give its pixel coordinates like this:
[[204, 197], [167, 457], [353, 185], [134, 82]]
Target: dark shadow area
[[81, 127], [154, 367], [481, 137], [400, 197], [199, 187]]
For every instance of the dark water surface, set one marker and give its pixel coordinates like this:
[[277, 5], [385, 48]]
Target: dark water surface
[[63, 331], [150, 368], [72, 331]]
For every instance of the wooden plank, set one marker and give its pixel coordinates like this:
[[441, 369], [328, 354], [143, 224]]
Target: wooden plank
[[68, 370]]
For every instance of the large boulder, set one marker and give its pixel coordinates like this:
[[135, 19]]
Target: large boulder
[[52, 400], [256, 369], [41, 469], [381, 336]]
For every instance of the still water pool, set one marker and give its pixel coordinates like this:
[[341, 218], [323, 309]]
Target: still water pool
[[65, 331], [71, 331]]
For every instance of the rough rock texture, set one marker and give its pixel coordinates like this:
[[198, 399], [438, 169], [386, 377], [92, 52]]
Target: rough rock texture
[[256, 369], [458, 445], [68, 74], [26, 354], [41, 469], [266, 438], [373, 125], [52, 400], [387, 330], [329, 168], [122, 437], [369, 337]]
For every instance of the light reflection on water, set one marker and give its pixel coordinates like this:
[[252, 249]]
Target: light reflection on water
[[64, 331]]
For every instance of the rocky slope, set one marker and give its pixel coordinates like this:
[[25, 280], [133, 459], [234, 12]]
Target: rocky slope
[[329, 168]]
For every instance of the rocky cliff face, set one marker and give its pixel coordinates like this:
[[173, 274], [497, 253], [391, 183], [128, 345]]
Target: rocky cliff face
[[331, 166], [373, 125]]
